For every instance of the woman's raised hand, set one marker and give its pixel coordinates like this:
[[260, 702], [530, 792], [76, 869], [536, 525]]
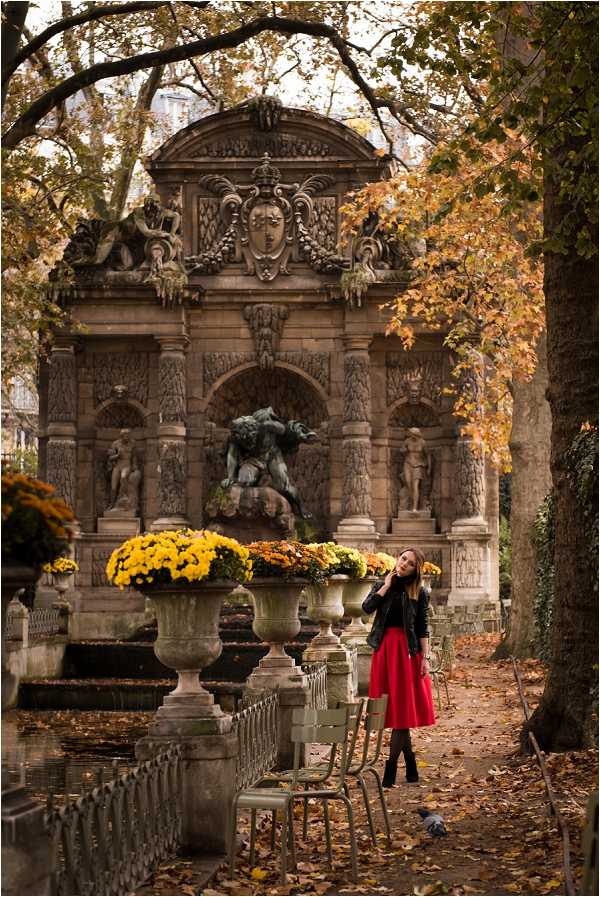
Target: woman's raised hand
[[387, 583]]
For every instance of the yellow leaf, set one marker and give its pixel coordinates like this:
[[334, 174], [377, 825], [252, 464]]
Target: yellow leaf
[[258, 874], [552, 883]]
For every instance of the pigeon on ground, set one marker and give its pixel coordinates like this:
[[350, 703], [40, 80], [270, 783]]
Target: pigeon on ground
[[433, 822]]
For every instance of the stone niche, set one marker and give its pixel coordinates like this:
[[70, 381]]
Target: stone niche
[[245, 302]]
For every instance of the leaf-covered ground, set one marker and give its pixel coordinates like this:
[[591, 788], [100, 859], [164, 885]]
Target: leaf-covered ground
[[501, 837]]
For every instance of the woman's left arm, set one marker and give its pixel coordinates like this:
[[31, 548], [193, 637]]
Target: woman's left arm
[[421, 630]]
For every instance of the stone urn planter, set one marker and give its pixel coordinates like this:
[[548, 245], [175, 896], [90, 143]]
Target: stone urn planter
[[354, 593], [325, 607], [61, 582], [188, 641], [15, 576], [276, 622], [369, 582], [426, 581]]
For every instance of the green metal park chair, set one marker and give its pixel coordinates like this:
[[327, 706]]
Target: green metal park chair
[[374, 725], [316, 727]]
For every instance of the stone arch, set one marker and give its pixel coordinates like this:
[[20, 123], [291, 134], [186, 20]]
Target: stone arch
[[116, 414], [292, 396], [288, 391], [413, 414]]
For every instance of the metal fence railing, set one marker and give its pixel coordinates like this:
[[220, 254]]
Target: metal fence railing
[[40, 622], [45, 621], [110, 839], [317, 683], [256, 725]]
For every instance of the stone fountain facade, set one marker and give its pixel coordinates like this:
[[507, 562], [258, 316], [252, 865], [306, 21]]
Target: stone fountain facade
[[222, 295]]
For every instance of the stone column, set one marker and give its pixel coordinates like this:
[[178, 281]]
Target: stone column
[[356, 526], [172, 448], [61, 452], [470, 536]]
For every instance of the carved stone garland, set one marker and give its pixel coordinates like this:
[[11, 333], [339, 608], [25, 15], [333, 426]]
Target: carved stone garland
[[266, 323], [61, 465], [357, 387], [172, 482], [172, 388], [62, 387]]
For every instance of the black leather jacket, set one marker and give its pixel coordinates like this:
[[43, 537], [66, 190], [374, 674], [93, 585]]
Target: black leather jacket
[[413, 612]]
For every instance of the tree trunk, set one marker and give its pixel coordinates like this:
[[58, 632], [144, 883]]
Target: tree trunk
[[562, 720], [14, 15], [132, 151], [531, 482]]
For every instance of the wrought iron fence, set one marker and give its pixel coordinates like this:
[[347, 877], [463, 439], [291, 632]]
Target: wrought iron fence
[[41, 622], [256, 725], [44, 621], [317, 683], [110, 839]]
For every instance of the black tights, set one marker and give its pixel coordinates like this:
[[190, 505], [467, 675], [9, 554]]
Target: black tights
[[400, 741]]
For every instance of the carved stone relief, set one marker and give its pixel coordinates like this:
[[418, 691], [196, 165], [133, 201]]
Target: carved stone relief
[[323, 222], [414, 375], [62, 387], [61, 460], [100, 558], [357, 484], [120, 416], [266, 224], [215, 364], [128, 369], [210, 224], [470, 481], [469, 561], [172, 389], [287, 393], [309, 470], [314, 363], [266, 324], [280, 146], [357, 388], [172, 480]]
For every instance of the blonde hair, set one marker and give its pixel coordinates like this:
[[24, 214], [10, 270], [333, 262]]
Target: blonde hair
[[413, 588]]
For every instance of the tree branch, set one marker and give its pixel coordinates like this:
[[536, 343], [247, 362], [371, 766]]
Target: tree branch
[[25, 125], [64, 24]]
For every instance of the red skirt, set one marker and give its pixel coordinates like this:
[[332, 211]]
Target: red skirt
[[398, 675]]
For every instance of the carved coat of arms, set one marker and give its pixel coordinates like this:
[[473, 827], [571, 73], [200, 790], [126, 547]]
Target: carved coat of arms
[[265, 224]]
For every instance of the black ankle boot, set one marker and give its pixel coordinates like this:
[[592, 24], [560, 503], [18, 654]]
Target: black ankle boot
[[389, 774], [412, 773]]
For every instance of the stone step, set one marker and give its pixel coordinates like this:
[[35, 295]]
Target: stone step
[[113, 695], [137, 660]]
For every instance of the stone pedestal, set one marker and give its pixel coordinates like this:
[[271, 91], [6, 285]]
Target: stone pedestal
[[27, 851], [413, 523], [116, 524], [207, 787], [364, 656], [471, 561], [250, 514], [341, 671]]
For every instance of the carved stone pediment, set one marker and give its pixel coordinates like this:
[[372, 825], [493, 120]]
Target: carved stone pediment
[[265, 219]]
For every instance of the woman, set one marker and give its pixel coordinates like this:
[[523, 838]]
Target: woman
[[399, 666]]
